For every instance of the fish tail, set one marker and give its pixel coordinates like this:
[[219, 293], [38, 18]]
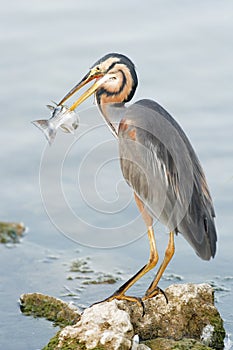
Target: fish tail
[[47, 128]]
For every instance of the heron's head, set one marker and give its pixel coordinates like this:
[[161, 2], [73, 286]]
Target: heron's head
[[115, 81]]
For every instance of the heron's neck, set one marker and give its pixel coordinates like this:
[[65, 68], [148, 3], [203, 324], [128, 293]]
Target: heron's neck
[[112, 114]]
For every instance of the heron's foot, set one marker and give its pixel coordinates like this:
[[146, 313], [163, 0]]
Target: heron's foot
[[119, 296], [150, 294]]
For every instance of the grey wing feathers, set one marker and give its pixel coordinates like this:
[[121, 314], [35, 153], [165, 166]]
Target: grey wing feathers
[[159, 163]]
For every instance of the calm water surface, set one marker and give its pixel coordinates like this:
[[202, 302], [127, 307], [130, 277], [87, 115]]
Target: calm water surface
[[183, 53]]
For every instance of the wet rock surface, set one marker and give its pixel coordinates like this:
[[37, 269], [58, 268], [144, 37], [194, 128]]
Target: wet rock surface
[[11, 232], [53, 309], [82, 270], [188, 321]]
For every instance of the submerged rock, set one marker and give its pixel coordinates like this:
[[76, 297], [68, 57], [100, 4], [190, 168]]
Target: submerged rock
[[81, 269], [11, 232], [188, 321], [102, 278]]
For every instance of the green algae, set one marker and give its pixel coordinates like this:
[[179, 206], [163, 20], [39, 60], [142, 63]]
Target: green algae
[[72, 344], [55, 310], [170, 344], [102, 279], [81, 266], [11, 232], [219, 331], [81, 270], [53, 343]]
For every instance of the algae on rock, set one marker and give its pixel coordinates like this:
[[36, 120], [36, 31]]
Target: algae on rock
[[53, 309], [189, 321], [171, 344], [11, 232]]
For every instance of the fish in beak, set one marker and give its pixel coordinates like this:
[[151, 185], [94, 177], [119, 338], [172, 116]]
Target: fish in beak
[[62, 117]]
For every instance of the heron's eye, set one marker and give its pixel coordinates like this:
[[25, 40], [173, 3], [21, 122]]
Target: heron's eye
[[97, 68]]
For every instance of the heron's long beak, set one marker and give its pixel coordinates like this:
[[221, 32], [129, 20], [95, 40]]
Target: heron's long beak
[[100, 79]]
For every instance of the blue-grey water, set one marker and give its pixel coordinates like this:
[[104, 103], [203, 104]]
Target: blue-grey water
[[72, 196]]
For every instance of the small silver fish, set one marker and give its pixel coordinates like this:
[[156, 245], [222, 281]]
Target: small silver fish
[[62, 117]]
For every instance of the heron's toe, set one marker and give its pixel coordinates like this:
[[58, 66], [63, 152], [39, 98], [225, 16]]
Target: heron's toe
[[115, 296], [150, 294]]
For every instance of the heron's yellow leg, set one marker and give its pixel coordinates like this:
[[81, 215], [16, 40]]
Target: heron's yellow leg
[[153, 289], [153, 259]]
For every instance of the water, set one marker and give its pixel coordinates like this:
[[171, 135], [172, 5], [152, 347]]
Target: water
[[183, 54]]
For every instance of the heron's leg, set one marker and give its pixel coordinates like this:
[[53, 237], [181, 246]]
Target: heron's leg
[[153, 289], [153, 259]]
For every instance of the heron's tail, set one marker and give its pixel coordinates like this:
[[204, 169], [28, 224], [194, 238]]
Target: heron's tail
[[47, 128]]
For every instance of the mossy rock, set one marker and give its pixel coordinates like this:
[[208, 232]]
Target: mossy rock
[[11, 232], [72, 344], [53, 309], [170, 344], [189, 321]]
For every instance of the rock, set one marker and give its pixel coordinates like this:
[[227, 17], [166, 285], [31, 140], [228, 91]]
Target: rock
[[170, 344], [53, 309], [188, 321], [104, 325], [11, 232], [190, 313]]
